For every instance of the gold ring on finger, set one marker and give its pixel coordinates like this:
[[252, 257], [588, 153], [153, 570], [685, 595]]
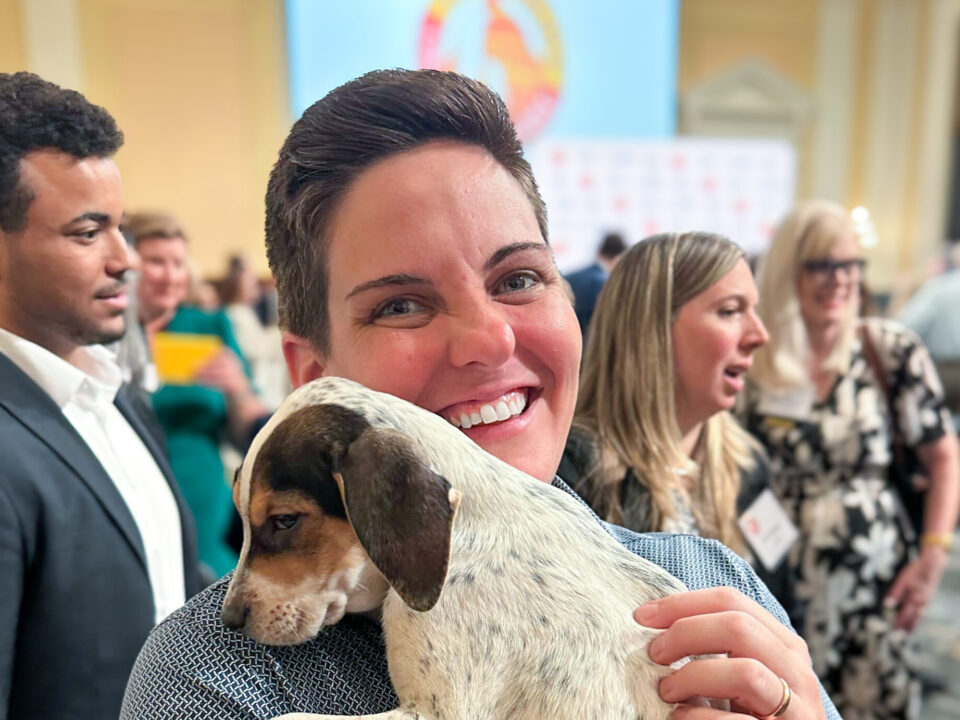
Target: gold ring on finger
[[784, 702]]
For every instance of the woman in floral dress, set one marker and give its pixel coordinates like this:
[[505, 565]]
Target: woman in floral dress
[[816, 404]]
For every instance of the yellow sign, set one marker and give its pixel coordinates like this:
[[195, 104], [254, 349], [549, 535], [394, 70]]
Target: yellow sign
[[179, 356]]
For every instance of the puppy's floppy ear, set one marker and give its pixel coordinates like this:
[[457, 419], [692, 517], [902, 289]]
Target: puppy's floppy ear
[[402, 513]]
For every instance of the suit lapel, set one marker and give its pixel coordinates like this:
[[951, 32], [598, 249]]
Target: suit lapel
[[128, 408], [36, 411]]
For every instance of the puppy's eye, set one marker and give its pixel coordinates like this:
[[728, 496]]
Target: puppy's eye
[[284, 522]]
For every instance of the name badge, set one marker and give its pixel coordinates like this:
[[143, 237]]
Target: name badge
[[795, 403], [768, 530]]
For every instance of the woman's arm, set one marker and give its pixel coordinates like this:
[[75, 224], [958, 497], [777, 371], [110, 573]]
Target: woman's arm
[[941, 461], [225, 371], [916, 583]]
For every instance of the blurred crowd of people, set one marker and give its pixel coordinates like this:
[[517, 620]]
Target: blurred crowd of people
[[773, 415], [843, 416], [209, 415]]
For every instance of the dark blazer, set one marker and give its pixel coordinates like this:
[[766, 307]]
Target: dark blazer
[[586, 285], [75, 598]]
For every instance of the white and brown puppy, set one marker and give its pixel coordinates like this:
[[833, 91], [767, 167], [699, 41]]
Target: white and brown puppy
[[503, 597]]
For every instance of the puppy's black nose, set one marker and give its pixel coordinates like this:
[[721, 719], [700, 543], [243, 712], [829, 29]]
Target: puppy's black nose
[[234, 615]]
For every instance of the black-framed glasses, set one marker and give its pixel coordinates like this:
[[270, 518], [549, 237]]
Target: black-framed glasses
[[823, 270]]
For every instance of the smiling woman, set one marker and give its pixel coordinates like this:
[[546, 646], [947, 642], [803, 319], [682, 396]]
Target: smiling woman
[[408, 241], [468, 325], [815, 401], [198, 408]]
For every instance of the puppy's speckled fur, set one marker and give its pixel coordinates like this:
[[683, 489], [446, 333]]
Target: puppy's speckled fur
[[535, 617]]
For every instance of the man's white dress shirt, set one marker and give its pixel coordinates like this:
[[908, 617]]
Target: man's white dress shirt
[[85, 393]]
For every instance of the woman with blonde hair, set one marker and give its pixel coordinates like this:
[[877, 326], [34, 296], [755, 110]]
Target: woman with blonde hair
[[216, 404], [653, 447], [828, 397]]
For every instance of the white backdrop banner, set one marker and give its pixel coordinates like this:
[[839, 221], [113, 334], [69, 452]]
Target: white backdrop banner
[[736, 187]]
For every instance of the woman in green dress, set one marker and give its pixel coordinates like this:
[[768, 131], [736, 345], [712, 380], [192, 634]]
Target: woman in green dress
[[216, 405]]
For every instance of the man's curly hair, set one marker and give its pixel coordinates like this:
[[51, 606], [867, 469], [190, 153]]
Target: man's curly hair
[[38, 115]]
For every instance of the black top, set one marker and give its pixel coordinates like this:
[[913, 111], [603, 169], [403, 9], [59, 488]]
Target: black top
[[579, 455]]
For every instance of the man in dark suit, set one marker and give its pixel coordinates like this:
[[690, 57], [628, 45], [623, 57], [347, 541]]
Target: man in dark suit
[[95, 544], [587, 283]]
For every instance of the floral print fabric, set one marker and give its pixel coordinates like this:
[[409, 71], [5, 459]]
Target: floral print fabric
[[829, 464]]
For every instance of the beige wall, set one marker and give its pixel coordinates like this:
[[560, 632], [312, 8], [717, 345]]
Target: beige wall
[[199, 89], [716, 35], [11, 45], [881, 77]]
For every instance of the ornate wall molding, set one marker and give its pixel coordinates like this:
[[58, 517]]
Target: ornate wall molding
[[749, 99], [52, 41]]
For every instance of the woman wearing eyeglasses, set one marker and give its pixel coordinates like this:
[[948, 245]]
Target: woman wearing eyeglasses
[[816, 403]]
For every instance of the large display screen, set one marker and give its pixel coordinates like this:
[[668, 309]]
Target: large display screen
[[591, 87], [567, 68]]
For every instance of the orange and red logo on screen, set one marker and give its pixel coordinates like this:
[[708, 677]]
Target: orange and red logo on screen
[[529, 55]]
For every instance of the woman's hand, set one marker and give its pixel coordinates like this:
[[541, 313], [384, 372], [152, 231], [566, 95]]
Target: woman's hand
[[224, 371], [759, 652], [915, 586]]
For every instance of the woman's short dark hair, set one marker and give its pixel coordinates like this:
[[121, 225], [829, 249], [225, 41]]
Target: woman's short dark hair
[[38, 115], [380, 114]]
